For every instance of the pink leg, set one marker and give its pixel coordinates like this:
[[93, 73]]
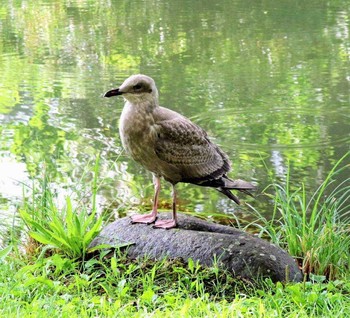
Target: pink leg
[[168, 224], [151, 217]]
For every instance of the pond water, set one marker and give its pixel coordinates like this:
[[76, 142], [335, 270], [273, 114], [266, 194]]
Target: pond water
[[268, 80]]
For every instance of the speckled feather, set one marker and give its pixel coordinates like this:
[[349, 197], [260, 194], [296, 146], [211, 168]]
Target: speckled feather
[[185, 145]]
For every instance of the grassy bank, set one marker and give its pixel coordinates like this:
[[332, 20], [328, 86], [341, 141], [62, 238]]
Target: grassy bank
[[56, 286], [48, 271]]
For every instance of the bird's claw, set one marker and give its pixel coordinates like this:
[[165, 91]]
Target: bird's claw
[[144, 218], [165, 224]]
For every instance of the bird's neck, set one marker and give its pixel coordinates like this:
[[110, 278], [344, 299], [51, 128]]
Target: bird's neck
[[142, 105]]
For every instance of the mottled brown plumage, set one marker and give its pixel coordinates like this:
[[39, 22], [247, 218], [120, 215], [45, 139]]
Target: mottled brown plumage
[[170, 146]]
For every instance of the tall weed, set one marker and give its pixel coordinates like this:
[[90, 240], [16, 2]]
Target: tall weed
[[314, 228]]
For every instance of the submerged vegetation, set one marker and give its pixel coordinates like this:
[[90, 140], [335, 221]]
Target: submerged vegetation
[[56, 275]]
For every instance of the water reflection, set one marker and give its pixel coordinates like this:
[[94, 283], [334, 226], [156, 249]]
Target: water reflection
[[269, 81]]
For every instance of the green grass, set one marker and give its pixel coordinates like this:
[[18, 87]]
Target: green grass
[[314, 228], [56, 276], [57, 286]]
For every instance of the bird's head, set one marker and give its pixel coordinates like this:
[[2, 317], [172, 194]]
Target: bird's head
[[136, 88]]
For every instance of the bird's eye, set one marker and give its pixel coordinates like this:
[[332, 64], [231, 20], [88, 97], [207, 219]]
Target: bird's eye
[[137, 87]]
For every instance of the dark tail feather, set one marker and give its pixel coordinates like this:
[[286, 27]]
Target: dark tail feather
[[240, 185], [229, 194], [225, 185]]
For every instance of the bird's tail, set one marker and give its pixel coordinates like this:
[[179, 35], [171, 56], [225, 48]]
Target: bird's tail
[[240, 185]]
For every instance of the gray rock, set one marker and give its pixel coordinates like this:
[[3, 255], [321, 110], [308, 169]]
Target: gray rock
[[241, 253]]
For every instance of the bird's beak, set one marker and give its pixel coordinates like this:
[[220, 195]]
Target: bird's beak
[[113, 92]]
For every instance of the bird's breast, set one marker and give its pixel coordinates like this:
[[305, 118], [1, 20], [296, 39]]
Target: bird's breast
[[138, 134]]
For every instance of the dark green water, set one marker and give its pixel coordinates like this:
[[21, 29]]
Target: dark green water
[[270, 80]]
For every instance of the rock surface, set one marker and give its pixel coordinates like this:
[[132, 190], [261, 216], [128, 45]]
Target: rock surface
[[241, 253]]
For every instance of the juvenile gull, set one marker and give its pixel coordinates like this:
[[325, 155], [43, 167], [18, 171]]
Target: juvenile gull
[[170, 146]]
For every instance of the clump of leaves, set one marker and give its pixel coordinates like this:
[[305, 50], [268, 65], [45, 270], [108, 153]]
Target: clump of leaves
[[69, 229]]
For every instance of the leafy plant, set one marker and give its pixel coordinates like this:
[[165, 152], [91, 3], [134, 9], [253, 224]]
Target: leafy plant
[[69, 229], [4, 252]]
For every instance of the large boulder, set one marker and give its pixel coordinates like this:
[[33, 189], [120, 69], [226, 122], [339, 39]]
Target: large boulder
[[243, 254]]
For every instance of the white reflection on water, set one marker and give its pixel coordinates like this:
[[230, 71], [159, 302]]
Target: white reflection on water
[[278, 163], [13, 175]]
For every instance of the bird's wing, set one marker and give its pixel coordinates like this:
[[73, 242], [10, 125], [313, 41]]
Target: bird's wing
[[185, 145]]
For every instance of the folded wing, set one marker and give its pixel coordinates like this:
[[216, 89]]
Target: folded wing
[[185, 145]]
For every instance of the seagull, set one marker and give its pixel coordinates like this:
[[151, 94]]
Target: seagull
[[170, 146]]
